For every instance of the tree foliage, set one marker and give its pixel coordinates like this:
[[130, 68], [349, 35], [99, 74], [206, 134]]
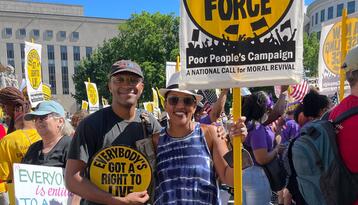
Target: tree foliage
[[310, 54], [148, 39]]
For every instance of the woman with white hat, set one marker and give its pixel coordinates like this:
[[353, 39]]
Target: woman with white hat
[[190, 156]]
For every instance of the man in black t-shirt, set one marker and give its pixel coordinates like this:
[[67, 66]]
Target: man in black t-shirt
[[119, 124]]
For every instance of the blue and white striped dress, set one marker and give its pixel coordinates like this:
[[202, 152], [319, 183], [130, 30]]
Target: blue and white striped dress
[[185, 170]]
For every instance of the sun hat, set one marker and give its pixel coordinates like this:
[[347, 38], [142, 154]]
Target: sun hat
[[173, 85]]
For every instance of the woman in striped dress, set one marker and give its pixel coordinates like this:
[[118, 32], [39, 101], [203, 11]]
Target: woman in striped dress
[[190, 156]]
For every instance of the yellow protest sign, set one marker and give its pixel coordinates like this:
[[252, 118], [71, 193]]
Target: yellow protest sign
[[84, 105], [120, 170], [155, 98], [332, 44], [46, 89], [34, 68], [236, 18], [148, 106], [92, 94]]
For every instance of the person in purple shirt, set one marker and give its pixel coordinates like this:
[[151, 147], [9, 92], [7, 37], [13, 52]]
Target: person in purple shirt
[[260, 140], [287, 127]]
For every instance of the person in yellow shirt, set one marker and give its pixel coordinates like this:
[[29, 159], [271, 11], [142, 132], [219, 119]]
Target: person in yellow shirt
[[13, 146]]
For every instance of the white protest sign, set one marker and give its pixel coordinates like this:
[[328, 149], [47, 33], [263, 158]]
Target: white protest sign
[[169, 71], [33, 73], [226, 44], [40, 185], [329, 62], [92, 96]]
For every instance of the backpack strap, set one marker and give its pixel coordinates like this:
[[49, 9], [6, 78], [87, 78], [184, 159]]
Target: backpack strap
[[146, 124], [346, 115], [289, 156]]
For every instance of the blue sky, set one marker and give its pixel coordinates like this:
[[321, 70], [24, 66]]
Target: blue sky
[[122, 9]]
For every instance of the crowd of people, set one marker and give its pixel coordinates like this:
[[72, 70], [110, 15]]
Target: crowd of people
[[191, 147]]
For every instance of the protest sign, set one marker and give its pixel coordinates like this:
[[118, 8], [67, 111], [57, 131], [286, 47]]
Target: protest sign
[[226, 44], [84, 105], [33, 73], [40, 185], [92, 96], [120, 170], [329, 62]]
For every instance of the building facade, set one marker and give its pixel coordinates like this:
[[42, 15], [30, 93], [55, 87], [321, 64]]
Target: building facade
[[65, 34], [321, 11]]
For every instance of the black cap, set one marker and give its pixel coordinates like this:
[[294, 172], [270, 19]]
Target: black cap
[[126, 66]]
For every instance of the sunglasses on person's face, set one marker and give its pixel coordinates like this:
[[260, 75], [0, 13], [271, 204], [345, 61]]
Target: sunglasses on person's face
[[187, 101], [42, 117]]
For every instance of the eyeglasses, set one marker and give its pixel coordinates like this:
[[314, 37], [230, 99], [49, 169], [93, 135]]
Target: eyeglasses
[[43, 117], [174, 100], [126, 80]]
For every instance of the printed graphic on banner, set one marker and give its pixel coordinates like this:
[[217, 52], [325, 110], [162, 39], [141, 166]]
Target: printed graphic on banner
[[92, 96], [229, 43], [249, 19], [40, 185], [120, 170], [33, 72], [329, 62]]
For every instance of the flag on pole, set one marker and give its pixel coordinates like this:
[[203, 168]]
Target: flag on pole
[[299, 91], [285, 25]]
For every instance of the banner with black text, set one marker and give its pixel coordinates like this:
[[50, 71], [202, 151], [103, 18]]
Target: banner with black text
[[230, 43]]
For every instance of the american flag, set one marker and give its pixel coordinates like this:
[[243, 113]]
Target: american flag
[[209, 98], [299, 91]]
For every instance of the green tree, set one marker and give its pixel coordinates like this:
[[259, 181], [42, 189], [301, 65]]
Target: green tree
[[149, 39], [310, 54]]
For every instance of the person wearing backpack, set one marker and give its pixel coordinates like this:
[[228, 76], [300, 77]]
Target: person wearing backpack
[[314, 106], [347, 138]]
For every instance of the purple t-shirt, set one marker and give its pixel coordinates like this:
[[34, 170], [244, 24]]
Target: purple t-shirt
[[205, 120], [259, 137], [290, 130]]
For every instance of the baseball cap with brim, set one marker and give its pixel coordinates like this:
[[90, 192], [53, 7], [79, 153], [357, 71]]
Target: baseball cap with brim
[[351, 61], [126, 66], [173, 85], [44, 108]]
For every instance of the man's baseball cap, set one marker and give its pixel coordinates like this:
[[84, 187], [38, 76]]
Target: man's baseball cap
[[44, 108], [351, 62], [126, 66]]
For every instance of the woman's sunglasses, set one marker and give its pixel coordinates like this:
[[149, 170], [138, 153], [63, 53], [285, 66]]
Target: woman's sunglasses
[[187, 101]]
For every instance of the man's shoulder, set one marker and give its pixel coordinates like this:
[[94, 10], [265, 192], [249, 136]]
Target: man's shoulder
[[347, 103], [97, 117]]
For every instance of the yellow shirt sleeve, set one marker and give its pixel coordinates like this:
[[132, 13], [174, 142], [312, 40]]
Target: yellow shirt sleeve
[[13, 148]]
